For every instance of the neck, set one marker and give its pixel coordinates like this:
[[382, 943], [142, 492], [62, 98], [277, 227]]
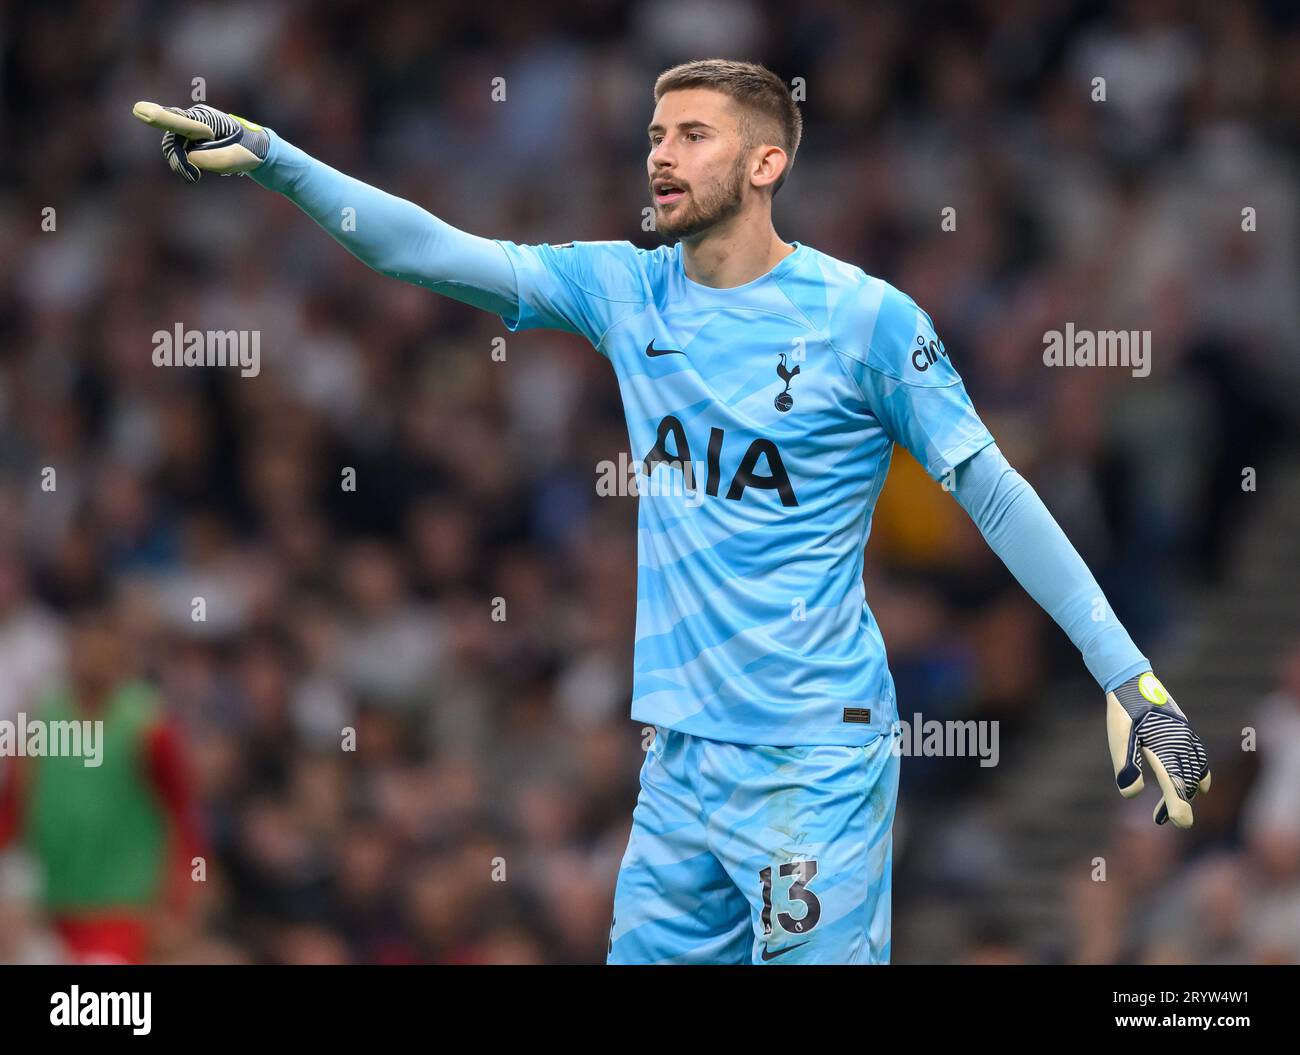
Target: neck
[[734, 252]]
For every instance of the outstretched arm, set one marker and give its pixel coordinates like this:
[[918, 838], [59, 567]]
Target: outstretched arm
[[1017, 525], [1144, 724], [389, 234], [910, 386]]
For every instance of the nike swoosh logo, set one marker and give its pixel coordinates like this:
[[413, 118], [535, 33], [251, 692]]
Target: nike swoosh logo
[[652, 351], [780, 952]]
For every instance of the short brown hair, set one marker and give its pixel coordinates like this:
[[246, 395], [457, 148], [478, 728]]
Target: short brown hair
[[758, 91]]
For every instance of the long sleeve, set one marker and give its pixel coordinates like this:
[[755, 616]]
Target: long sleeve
[[1017, 525], [391, 235], [170, 777], [11, 801]]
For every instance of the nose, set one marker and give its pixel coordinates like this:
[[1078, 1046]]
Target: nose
[[661, 157]]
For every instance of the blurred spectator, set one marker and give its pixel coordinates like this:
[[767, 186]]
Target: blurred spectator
[[107, 816]]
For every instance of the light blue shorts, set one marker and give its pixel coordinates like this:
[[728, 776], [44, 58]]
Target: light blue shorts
[[743, 854]]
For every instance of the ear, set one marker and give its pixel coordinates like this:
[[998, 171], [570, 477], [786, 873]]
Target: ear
[[770, 163]]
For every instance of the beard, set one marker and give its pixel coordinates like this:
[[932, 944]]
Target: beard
[[693, 216]]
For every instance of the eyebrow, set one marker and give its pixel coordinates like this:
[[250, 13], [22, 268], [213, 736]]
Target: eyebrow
[[681, 125]]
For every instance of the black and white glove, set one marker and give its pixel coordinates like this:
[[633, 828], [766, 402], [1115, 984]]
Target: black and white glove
[[1144, 724], [202, 139]]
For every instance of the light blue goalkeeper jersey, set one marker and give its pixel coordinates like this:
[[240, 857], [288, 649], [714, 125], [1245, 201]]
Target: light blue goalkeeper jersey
[[765, 415]]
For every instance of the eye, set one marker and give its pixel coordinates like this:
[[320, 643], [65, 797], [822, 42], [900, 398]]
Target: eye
[[694, 137]]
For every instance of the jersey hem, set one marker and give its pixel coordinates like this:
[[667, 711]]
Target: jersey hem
[[851, 735]]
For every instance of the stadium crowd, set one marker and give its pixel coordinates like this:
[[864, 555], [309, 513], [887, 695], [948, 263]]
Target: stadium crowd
[[467, 608]]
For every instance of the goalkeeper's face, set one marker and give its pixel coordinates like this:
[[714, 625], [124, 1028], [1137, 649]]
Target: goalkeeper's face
[[698, 163]]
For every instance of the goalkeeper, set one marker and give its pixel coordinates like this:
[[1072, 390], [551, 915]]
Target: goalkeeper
[[763, 827]]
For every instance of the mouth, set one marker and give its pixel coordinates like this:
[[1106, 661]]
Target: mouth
[[666, 192]]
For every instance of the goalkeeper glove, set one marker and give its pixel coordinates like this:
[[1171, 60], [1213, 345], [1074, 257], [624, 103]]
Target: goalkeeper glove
[[1143, 723], [202, 139]]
